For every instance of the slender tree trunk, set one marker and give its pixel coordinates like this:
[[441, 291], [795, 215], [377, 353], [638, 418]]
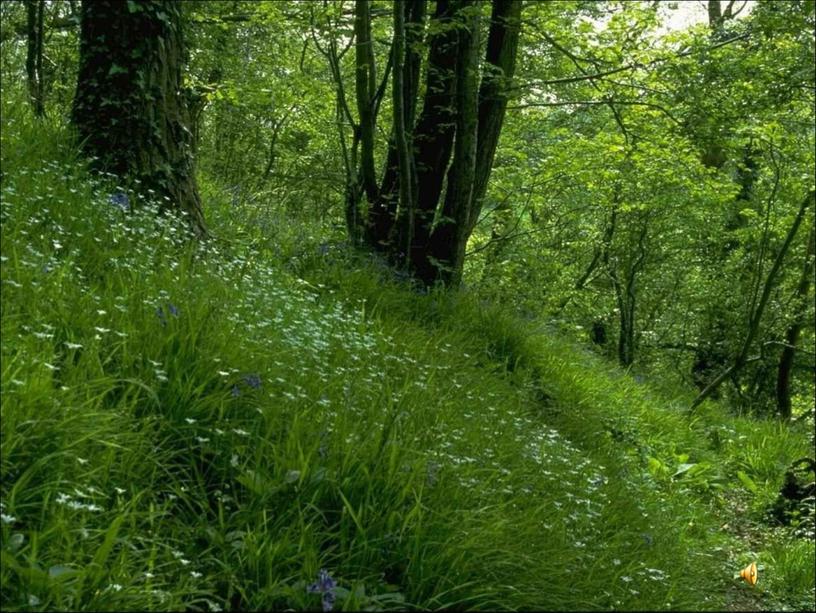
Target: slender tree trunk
[[454, 106], [756, 317], [714, 155], [35, 10], [366, 85], [383, 228], [402, 137], [128, 109], [627, 301], [612, 271], [783, 397], [273, 141], [478, 122], [500, 66]]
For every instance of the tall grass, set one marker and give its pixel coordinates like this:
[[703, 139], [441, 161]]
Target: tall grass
[[206, 426]]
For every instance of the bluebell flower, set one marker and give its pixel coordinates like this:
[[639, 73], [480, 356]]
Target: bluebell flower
[[173, 310], [235, 391], [253, 381], [160, 315], [120, 200], [325, 586]]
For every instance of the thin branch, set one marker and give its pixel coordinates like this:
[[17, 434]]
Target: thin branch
[[730, 13], [753, 326], [660, 108], [378, 96], [630, 66]]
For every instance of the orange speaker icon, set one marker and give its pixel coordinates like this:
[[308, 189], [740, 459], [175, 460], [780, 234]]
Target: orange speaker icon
[[749, 573]]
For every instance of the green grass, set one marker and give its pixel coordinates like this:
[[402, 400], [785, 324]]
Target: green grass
[[204, 427]]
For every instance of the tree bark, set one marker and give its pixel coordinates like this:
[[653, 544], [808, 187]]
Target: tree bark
[[366, 85], [383, 229], [433, 135], [35, 10], [402, 136], [500, 66], [459, 120], [129, 111], [715, 16], [627, 301], [783, 397], [449, 237]]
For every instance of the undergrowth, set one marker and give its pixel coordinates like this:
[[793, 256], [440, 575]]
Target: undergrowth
[[206, 426]]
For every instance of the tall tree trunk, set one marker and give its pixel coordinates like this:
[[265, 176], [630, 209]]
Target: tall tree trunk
[[454, 106], [382, 228], [500, 66], [402, 136], [449, 237], [366, 85], [128, 109], [714, 155], [433, 136], [35, 10], [715, 16], [627, 300], [783, 398]]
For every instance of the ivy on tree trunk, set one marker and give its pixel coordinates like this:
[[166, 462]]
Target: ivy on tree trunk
[[130, 109]]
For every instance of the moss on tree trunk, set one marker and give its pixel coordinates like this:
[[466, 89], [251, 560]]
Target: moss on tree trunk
[[130, 110]]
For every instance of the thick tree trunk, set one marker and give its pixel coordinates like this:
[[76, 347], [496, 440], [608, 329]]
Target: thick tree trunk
[[129, 110], [454, 105], [783, 398], [449, 236], [433, 136], [479, 118], [715, 16]]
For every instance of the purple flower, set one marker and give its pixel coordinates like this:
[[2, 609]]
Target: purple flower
[[160, 315], [253, 381], [325, 586], [235, 391], [119, 200], [173, 310]]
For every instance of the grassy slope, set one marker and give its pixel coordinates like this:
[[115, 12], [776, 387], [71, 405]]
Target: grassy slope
[[428, 451]]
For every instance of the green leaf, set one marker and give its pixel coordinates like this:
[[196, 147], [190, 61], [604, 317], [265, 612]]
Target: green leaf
[[683, 468], [116, 69], [133, 7], [255, 482], [657, 468], [103, 552], [61, 572], [747, 482]]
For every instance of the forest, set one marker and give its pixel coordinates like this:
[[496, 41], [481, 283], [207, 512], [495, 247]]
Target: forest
[[367, 305]]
